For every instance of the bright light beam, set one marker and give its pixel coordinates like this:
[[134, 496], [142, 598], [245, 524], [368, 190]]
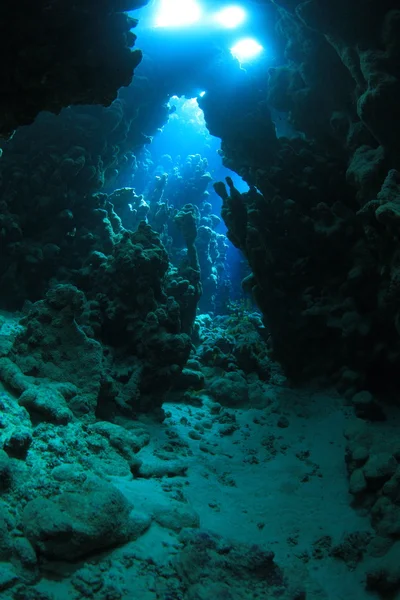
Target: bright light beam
[[230, 17], [246, 49], [177, 13]]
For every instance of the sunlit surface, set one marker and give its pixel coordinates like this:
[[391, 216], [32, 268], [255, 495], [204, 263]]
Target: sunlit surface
[[246, 49], [177, 13], [230, 17]]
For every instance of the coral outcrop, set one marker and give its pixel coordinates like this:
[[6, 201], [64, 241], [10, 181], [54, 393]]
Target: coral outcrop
[[119, 350]]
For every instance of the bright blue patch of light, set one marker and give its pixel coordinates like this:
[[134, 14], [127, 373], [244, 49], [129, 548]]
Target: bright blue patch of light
[[230, 17], [202, 94], [246, 49], [189, 112], [178, 13]]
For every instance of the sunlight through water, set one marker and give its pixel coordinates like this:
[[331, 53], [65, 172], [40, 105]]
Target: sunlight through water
[[230, 17], [246, 49], [178, 13]]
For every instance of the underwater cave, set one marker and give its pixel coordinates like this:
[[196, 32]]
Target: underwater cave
[[199, 321]]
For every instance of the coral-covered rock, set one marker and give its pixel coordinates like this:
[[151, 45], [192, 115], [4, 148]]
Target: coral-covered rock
[[190, 379], [213, 563], [127, 442], [229, 389], [176, 517], [78, 523], [186, 221], [47, 403], [54, 348]]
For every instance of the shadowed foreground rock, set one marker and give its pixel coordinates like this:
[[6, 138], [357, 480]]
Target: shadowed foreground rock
[[61, 52]]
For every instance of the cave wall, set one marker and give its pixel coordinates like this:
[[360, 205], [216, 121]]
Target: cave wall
[[63, 52], [319, 225]]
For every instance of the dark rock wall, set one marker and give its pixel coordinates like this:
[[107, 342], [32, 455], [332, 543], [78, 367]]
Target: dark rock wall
[[60, 52], [319, 227]]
